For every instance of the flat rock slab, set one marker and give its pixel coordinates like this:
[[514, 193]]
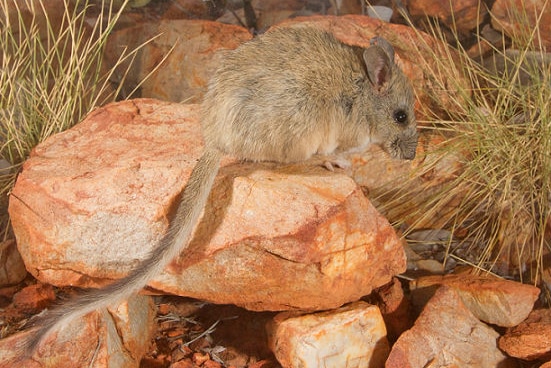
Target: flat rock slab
[[91, 203]]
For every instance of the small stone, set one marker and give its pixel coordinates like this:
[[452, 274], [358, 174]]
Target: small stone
[[262, 364], [163, 309], [118, 338], [394, 307], [355, 334], [200, 358], [212, 364], [34, 298], [531, 339], [186, 363], [12, 268], [492, 300]]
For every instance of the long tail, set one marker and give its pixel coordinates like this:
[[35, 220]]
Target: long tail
[[177, 238]]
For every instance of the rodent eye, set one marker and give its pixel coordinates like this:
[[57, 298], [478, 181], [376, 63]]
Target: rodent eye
[[400, 116]]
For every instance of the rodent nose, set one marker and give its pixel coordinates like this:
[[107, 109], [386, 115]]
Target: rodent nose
[[409, 155], [408, 147]]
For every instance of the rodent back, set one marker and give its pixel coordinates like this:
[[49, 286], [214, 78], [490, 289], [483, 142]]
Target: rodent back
[[294, 92], [279, 97]]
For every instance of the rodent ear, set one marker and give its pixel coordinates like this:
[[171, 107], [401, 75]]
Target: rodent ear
[[378, 66], [385, 45]]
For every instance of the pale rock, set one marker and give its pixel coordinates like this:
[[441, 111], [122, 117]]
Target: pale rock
[[465, 15], [353, 336], [12, 268], [430, 266], [447, 334], [91, 203], [114, 338], [512, 16], [188, 48], [531, 339], [492, 300]]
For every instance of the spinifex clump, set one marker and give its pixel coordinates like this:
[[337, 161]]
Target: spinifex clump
[[498, 205], [51, 75]]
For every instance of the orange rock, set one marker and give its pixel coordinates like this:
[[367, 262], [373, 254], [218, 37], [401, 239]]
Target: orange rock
[[465, 15], [115, 339], [447, 334], [33, 298], [186, 9], [93, 200], [492, 300], [395, 308], [212, 364], [531, 339], [511, 16], [189, 47], [262, 364], [12, 268], [200, 358], [187, 363]]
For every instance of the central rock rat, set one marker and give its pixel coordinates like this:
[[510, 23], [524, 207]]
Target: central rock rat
[[283, 96]]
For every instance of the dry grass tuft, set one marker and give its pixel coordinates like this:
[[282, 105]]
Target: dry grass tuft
[[51, 75], [498, 206]]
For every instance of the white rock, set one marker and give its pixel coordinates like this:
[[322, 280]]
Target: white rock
[[353, 336]]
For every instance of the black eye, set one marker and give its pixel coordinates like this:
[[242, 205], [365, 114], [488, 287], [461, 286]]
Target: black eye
[[400, 116]]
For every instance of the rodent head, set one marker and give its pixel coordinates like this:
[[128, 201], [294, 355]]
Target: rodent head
[[389, 102]]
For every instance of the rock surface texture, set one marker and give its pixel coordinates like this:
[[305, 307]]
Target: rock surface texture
[[511, 16], [92, 201], [116, 337], [447, 334], [351, 336], [531, 339], [463, 14], [183, 53], [492, 300]]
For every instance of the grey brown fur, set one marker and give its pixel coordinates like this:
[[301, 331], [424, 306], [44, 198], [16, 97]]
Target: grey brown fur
[[284, 96]]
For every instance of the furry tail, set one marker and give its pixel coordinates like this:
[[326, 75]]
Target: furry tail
[[194, 198]]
